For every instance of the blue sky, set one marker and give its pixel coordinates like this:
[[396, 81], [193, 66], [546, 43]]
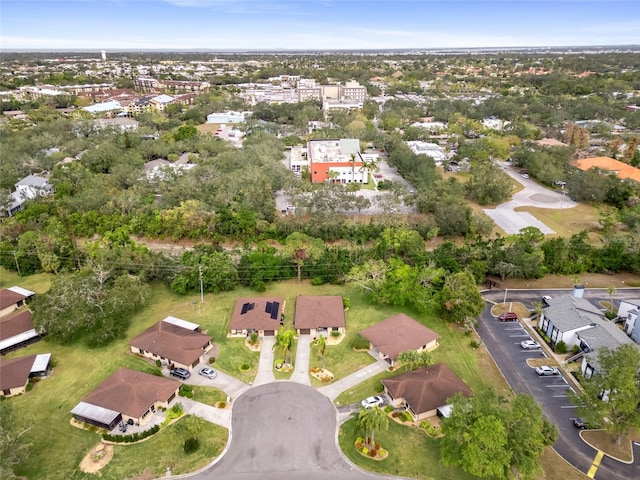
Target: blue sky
[[314, 24]]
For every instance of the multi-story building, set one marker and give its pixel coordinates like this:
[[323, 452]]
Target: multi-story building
[[152, 85], [336, 161]]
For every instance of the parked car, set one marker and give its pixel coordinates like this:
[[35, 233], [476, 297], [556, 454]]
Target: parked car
[[208, 372], [580, 423], [546, 370], [545, 300], [525, 175], [508, 317], [529, 345], [180, 373], [371, 402]]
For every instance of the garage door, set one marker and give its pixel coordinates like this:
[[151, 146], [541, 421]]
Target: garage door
[[305, 331], [269, 333]]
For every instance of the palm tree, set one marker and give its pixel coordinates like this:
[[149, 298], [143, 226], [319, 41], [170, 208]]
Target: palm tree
[[353, 166], [372, 419], [284, 344], [321, 343], [371, 166]]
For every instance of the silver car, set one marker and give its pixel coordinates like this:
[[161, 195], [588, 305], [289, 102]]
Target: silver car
[[546, 370], [208, 372], [371, 402], [529, 345]]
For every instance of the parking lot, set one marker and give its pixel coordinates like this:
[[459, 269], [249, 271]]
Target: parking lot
[[502, 340]]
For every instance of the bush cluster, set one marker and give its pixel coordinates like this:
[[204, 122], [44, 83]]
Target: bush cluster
[[134, 437]]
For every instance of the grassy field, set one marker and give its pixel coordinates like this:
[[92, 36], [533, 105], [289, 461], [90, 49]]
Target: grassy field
[[567, 222]]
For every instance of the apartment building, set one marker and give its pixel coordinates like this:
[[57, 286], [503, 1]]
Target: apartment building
[[152, 85]]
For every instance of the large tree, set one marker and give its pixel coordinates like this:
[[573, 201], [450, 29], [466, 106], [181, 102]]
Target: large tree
[[89, 305], [460, 298], [372, 420], [613, 391], [490, 437], [301, 247], [13, 447]]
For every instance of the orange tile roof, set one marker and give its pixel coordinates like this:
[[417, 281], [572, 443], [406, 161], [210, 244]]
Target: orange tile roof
[[621, 169]]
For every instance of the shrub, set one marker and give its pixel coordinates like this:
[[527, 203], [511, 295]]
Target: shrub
[[388, 409], [212, 360], [575, 349], [259, 286], [158, 363], [406, 417], [131, 438], [244, 367], [346, 302], [317, 281], [222, 404], [379, 388], [561, 347], [365, 450], [360, 343], [473, 344], [335, 333], [191, 445], [279, 363], [610, 315], [185, 390], [373, 452], [253, 338], [359, 440], [395, 414], [382, 452], [432, 431]]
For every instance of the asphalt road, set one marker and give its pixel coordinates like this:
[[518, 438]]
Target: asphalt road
[[283, 431], [502, 340]]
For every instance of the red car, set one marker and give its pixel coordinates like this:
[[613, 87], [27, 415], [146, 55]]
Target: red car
[[508, 317]]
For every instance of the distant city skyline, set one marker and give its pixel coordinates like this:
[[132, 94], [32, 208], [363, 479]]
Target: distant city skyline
[[314, 25]]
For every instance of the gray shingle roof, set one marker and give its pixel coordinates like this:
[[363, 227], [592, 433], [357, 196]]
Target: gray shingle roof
[[570, 313]]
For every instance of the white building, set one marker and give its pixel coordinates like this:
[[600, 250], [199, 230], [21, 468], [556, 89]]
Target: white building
[[430, 149], [34, 186], [228, 117], [111, 106]]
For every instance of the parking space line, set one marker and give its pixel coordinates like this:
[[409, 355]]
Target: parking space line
[[569, 406], [596, 463]]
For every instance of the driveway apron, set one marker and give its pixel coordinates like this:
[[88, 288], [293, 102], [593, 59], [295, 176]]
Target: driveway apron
[[350, 381], [265, 366], [219, 416], [301, 368]]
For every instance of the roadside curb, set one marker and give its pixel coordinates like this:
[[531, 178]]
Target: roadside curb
[[612, 457]]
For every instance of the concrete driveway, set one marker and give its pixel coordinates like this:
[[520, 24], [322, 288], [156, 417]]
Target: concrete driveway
[[283, 431], [532, 195]]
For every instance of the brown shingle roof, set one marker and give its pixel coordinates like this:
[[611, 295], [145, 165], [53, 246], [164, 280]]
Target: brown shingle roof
[[320, 311], [398, 334], [256, 317], [14, 372], [15, 324], [132, 393], [9, 297], [426, 388], [172, 342]]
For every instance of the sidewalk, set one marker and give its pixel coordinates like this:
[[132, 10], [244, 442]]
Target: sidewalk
[[265, 366], [332, 391], [219, 416], [301, 367]]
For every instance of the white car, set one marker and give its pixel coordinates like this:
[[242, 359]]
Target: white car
[[546, 299], [529, 345], [371, 402], [524, 175], [546, 370], [208, 372]]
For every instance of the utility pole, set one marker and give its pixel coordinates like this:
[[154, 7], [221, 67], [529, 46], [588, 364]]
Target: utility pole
[[201, 288], [15, 257]]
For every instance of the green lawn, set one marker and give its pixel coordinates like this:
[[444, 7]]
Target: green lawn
[[208, 395], [412, 453]]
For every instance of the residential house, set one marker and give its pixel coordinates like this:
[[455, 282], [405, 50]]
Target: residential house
[[566, 316], [160, 102], [426, 390], [175, 342], [338, 161], [620, 169], [126, 396], [33, 186], [16, 330], [258, 314], [628, 312], [319, 315], [13, 298], [397, 334], [16, 372]]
